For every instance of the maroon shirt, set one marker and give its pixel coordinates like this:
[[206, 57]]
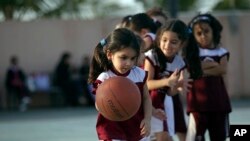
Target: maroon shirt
[[209, 93]]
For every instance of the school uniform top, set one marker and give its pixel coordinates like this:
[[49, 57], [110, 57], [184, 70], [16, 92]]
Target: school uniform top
[[158, 95], [208, 93], [128, 129]]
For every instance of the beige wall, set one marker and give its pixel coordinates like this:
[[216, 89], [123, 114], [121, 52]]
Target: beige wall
[[40, 43]]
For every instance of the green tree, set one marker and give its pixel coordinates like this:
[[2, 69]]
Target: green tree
[[233, 4], [61, 9], [9, 8], [183, 5], [17, 9]]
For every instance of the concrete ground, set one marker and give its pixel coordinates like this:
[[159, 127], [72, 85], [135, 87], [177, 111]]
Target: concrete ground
[[74, 124]]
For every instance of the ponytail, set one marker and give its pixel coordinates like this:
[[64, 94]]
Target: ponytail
[[190, 54], [99, 61]]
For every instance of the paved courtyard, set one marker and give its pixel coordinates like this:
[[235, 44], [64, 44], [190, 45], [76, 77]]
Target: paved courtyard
[[73, 124]]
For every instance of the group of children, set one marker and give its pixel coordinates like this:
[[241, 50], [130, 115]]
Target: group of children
[[165, 59]]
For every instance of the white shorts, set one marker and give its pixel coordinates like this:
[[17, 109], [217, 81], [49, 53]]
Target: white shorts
[[169, 110], [156, 125]]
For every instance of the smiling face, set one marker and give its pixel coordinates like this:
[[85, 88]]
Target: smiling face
[[123, 60], [170, 44], [204, 35]]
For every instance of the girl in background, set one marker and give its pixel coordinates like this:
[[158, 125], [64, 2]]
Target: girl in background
[[117, 56], [166, 75], [160, 18], [208, 103], [145, 27]]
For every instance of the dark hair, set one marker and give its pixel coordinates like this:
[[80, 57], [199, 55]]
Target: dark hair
[[14, 60], [117, 40], [190, 54], [126, 21], [157, 11], [191, 51], [140, 21], [213, 23], [66, 55]]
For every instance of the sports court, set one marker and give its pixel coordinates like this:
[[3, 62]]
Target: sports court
[[73, 124]]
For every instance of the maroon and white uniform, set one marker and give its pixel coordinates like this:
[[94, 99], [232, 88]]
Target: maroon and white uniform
[[159, 97], [128, 130], [209, 93], [208, 102]]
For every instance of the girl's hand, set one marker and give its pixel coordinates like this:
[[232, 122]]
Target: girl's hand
[[184, 82], [145, 127], [173, 79], [160, 114], [186, 86]]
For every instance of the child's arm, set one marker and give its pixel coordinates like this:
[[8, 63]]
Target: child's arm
[[219, 69], [156, 84], [148, 42], [183, 85], [159, 113], [147, 106]]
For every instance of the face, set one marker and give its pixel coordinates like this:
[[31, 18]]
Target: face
[[204, 35], [170, 44], [123, 60]]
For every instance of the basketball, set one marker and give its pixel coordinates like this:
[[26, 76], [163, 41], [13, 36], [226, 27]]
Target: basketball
[[118, 98]]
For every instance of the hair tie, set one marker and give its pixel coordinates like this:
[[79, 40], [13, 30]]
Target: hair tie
[[189, 30], [200, 18], [103, 42]]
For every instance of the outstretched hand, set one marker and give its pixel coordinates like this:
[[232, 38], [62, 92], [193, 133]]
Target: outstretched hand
[[145, 127], [160, 114], [173, 79]]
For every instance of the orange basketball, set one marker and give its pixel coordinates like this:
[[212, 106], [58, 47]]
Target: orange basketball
[[118, 98]]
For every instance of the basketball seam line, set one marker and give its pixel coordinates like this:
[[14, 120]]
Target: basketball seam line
[[119, 102]]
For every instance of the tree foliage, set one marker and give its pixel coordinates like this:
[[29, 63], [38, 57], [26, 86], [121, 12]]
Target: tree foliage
[[61, 9], [183, 5], [233, 4]]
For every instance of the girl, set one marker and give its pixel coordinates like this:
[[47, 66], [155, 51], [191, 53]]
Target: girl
[[163, 65], [208, 103], [160, 18], [116, 56], [145, 27]]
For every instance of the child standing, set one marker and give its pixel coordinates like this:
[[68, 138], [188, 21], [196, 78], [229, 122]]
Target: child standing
[[165, 74], [208, 102], [15, 82], [116, 56]]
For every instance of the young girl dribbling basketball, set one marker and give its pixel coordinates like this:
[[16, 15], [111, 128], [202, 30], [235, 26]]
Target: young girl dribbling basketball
[[208, 103], [117, 56]]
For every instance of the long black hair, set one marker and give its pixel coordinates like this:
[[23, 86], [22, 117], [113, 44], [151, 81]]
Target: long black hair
[[190, 52], [118, 39]]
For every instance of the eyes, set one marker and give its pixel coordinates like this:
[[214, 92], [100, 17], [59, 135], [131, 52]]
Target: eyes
[[173, 41], [124, 57], [205, 31], [170, 38]]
